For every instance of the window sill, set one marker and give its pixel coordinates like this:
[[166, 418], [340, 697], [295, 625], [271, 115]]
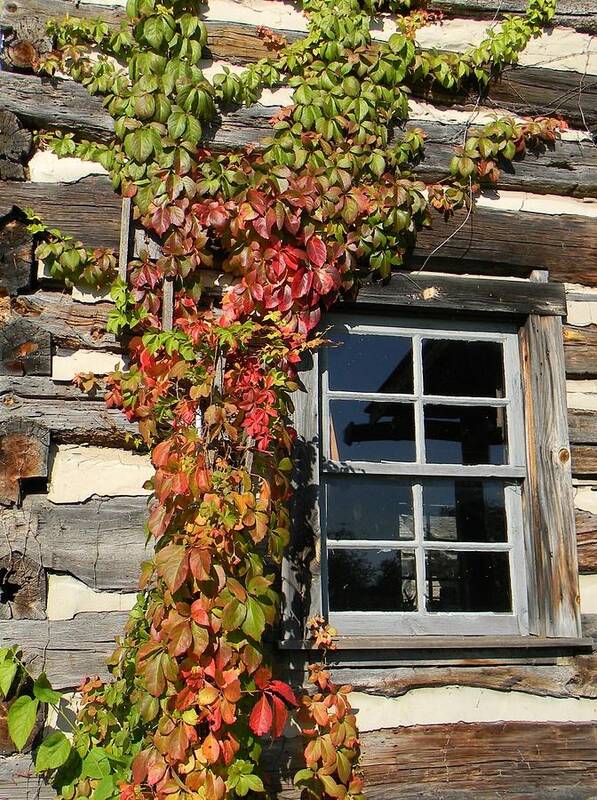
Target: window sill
[[447, 643]]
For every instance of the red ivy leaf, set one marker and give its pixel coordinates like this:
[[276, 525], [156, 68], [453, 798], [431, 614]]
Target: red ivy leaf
[[261, 717], [316, 250], [284, 691], [178, 742], [160, 220], [280, 716], [172, 564]]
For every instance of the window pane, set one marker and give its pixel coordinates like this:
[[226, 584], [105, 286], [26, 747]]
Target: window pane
[[372, 580], [361, 507], [362, 430], [370, 363], [465, 435], [464, 510], [467, 581], [461, 369]]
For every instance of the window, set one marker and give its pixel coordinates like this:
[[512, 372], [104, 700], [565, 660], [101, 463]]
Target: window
[[421, 471], [433, 491]]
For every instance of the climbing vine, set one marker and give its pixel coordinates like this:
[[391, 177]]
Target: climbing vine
[[329, 198]]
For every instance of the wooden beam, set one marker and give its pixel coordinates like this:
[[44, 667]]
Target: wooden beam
[[580, 351], [24, 450], [578, 14], [100, 542], [455, 293], [586, 540], [25, 349], [582, 426], [16, 256], [584, 460]]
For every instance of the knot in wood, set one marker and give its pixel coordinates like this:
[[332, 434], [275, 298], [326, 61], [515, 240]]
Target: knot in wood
[[564, 455]]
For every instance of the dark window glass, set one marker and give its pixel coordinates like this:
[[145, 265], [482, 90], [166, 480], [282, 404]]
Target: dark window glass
[[463, 369], [464, 510], [372, 580], [463, 581], [363, 430], [360, 507], [465, 435], [370, 363]]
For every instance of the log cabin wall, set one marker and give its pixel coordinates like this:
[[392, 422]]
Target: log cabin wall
[[517, 725]]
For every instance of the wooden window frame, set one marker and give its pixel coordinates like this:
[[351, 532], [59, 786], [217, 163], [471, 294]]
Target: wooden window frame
[[535, 307]]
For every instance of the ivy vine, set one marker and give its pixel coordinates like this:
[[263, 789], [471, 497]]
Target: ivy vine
[[331, 197]]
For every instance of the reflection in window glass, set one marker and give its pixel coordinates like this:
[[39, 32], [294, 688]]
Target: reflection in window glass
[[465, 435], [372, 580], [463, 369], [363, 507], [369, 363], [466, 581], [363, 430], [464, 510]]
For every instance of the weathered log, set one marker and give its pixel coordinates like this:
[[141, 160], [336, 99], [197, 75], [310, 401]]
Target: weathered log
[[91, 201], [100, 542], [580, 350], [25, 349], [22, 587], [584, 460], [501, 242], [15, 144], [70, 323], [69, 421], [24, 450], [16, 256], [586, 540], [578, 14], [582, 426]]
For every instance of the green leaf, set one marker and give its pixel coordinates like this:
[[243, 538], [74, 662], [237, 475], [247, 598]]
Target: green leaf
[[44, 692], [254, 623], [95, 764], [105, 788], [233, 615], [53, 752], [21, 720], [8, 670]]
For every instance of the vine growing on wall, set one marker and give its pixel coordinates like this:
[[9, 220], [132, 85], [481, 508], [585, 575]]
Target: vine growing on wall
[[331, 197]]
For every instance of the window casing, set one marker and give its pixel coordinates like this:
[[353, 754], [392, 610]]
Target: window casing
[[421, 454]]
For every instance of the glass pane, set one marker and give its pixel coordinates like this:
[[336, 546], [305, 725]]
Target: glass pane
[[467, 581], [359, 507], [372, 580], [464, 510], [370, 363], [363, 430], [465, 435], [463, 369]]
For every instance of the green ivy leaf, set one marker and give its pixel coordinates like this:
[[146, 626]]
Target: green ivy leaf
[[43, 690], [105, 789], [53, 752], [21, 720], [8, 670], [254, 623], [96, 764]]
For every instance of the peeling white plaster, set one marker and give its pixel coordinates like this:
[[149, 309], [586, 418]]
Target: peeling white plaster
[[450, 704], [588, 594], [585, 498], [79, 472], [64, 368], [578, 288], [581, 313], [68, 596], [271, 13], [85, 295], [538, 203], [46, 167], [68, 706], [582, 395]]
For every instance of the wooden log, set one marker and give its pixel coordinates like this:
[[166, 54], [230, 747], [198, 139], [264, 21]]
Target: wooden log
[[580, 351], [578, 14], [24, 450], [100, 542], [15, 145], [584, 460], [488, 240], [27, 41], [16, 256], [69, 421], [23, 587], [70, 323], [582, 426], [25, 349], [586, 540], [91, 201]]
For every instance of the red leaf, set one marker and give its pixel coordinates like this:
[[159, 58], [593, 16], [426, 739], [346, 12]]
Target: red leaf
[[199, 614], [280, 716], [261, 717], [211, 749], [160, 220], [172, 565], [284, 691], [178, 742], [317, 251], [301, 284]]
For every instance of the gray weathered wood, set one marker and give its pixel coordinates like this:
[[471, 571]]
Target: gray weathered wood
[[101, 542], [579, 14], [582, 426], [15, 144], [25, 349], [551, 545], [441, 293], [584, 460], [16, 256], [586, 539], [580, 351], [24, 451], [22, 586], [501, 242], [69, 421]]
